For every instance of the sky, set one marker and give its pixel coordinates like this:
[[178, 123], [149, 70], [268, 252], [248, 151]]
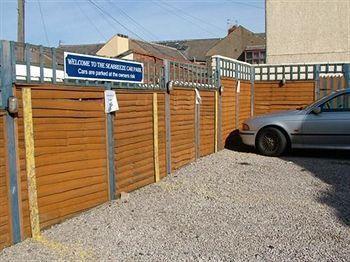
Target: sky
[[49, 22]]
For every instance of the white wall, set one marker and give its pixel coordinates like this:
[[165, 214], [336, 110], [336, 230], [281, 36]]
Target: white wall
[[300, 31]]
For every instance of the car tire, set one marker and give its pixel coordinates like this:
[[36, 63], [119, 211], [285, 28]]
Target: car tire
[[271, 142]]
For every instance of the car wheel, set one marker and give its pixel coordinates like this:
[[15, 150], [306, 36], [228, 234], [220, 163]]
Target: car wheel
[[271, 142]]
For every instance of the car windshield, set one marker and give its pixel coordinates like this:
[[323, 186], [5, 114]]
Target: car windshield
[[319, 101]]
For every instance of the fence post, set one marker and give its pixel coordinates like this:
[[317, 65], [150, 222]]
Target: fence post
[[317, 69], [8, 75], [218, 105], [216, 139], [252, 89], [30, 162], [237, 95], [346, 71], [155, 137], [197, 124], [166, 83], [110, 151]]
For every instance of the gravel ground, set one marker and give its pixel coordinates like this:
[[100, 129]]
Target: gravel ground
[[225, 207]]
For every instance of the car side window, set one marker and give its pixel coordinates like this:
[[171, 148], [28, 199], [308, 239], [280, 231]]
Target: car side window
[[339, 103]]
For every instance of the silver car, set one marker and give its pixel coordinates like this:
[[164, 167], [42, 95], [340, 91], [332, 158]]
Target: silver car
[[324, 124]]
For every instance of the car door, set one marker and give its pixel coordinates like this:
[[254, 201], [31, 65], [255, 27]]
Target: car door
[[331, 127]]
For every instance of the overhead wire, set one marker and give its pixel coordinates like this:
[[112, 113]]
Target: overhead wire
[[133, 20], [127, 29], [43, 22], [161, 5], [191, 16], [115, 20], [90, 21], [244, 3]]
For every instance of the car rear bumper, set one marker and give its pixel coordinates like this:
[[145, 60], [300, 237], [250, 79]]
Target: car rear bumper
[[248, 138]]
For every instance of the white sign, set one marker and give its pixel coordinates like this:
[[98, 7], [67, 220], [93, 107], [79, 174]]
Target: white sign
[[111, 102], [239, 86], [198, 97]]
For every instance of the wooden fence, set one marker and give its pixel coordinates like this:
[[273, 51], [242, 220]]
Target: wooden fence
[[71, 146], [70, 150], [68, 155], [236, 105], [271, 96]]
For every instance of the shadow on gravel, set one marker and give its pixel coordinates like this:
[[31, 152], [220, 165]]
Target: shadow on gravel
[[333, 168], [234, 142]]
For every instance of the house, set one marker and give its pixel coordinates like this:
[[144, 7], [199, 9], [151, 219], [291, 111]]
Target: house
[[194, 50], [233, 45], [123, 47], [255, 54], [307, 31], [198, 51]]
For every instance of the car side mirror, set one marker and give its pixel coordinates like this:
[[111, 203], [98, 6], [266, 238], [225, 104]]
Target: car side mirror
[[317, 110]]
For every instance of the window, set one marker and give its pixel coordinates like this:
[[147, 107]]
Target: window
[[339, 103]]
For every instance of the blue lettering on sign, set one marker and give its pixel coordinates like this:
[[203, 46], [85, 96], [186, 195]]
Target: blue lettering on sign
[[77, 66]]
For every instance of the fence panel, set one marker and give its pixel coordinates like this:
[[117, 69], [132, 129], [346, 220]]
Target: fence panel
[[228, 111], [161, 134], [244, 102], [5, 224], [272, 96], [133, 133], [330, 84], [207, 123], [70, 151], [182, 105]]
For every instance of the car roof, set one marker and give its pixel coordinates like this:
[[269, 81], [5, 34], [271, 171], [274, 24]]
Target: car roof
[[340, 91]]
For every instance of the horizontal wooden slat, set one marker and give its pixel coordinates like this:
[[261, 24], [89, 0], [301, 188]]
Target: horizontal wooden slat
[[70, 151]]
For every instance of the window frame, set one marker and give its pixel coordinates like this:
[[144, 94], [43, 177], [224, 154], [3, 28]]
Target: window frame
[[336, 110]]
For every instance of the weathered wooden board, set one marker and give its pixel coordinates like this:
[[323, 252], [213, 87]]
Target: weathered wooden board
[[271, 96], [244, 102], [228, 110], [134, 145], [70, 153], [207, 122], [182, 107]]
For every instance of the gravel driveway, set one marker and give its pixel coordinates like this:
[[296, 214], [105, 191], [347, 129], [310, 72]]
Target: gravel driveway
[[225, 207]]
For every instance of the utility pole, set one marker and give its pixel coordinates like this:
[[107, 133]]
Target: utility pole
[[21, 21]]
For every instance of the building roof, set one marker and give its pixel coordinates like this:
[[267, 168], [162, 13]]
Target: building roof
[[234, 44], [193, 49], [137, 46], [88, 49], [156, 50], [255, 47], [263, 35]]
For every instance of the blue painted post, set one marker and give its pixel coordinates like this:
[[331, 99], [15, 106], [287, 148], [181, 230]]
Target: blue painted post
[[166, 81], [252, 88], [41, 62], [54, 65], [317, 70], [219, 120], [8, 65], [28, 58], [346, 72], [110, 150]]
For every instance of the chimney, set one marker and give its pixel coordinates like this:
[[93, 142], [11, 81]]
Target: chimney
[[115, 46], [231, 29]]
